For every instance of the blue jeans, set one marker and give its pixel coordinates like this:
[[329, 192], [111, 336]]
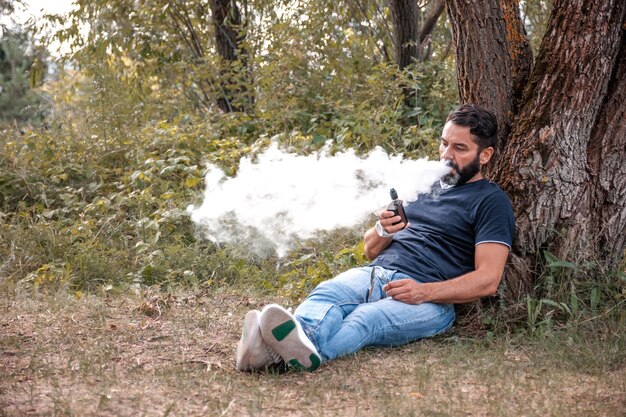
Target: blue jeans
[[351, 311]]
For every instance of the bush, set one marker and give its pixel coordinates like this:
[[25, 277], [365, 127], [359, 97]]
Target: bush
[[82, 210]]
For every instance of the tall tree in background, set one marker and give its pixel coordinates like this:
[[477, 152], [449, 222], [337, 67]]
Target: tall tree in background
[[412, 29], [22, 66], [195, 46], [230, 42], [322, 67], [562, 126], [6, 8]]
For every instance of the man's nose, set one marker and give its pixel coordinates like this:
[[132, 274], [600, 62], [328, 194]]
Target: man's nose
[[446, 154]]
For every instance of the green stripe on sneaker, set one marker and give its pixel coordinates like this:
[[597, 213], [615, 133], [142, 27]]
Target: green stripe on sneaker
[[315, 363], [283, 330], [297, 365]]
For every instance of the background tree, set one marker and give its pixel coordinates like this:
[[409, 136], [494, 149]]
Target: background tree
[[230, 42], [7, 7], [22, 67], [413, 25], [562, 127], [323, 68]]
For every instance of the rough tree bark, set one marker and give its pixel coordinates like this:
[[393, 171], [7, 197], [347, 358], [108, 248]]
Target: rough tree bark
[[606, 156], [564, 137], [519, 50], [483, 63]]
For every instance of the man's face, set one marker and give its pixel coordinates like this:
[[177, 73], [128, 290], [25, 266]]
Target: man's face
[[460, 151]]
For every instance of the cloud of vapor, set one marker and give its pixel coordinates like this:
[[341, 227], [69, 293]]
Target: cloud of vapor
[[281, 197]]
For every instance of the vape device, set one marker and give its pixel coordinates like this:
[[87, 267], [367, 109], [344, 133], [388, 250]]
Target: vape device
[[397, 207]]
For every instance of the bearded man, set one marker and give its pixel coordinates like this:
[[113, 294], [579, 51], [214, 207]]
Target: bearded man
[[453, 249]]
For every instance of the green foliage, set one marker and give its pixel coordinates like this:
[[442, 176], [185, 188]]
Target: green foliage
[[94, 201], [569, 294], [97, 200], [21, 69], [535, 14], [7, 8], [316, 262], [314, 69]]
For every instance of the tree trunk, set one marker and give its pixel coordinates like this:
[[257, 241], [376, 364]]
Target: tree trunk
[[410, 39], [428, 27], [410, 42], [519, 50], [606, 156], [229, 40], [405, 14], [483, 62], [562, 163]]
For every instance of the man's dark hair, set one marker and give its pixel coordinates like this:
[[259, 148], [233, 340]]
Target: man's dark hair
[[482, 123]]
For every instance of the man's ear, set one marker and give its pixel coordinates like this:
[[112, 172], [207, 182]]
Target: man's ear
[[485, 155]]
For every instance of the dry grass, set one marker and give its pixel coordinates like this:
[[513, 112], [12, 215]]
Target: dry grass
[[158, 355]]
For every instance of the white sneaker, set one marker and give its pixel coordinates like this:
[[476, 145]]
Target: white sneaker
[[252, 352], [284, 335]]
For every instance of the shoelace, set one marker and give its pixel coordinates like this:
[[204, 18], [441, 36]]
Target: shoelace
[[273, 355]]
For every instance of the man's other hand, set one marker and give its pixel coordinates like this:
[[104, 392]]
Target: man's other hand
[[406, 290]]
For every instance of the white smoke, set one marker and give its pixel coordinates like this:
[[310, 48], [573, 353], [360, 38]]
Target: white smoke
[[281, 197]]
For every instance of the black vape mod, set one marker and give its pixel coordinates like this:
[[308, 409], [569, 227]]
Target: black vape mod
[[397, 207]]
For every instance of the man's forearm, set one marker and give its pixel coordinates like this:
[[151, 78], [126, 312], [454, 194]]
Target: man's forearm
[[463, 289], [490, 260], [466, 288], [374, 244]]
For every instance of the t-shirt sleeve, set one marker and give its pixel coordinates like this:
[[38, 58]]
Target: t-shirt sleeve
[[494, 220]]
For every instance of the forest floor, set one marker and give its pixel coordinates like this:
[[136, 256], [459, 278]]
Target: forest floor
[[155, 355]]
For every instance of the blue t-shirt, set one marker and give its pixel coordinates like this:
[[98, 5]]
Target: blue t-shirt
[[445, 227]]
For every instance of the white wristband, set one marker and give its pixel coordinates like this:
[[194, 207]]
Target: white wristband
[[381, 230]]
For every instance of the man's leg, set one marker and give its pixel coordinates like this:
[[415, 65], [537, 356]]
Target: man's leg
[[323, 312], [351, 311], [283, 333], [388, 322]]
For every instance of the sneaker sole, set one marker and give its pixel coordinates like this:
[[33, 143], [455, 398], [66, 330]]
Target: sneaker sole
[[250, 331], [282, 334]]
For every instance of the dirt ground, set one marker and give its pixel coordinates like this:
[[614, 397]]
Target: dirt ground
[[156, 355]]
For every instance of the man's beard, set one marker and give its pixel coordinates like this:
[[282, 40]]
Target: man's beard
[[461, 175]]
